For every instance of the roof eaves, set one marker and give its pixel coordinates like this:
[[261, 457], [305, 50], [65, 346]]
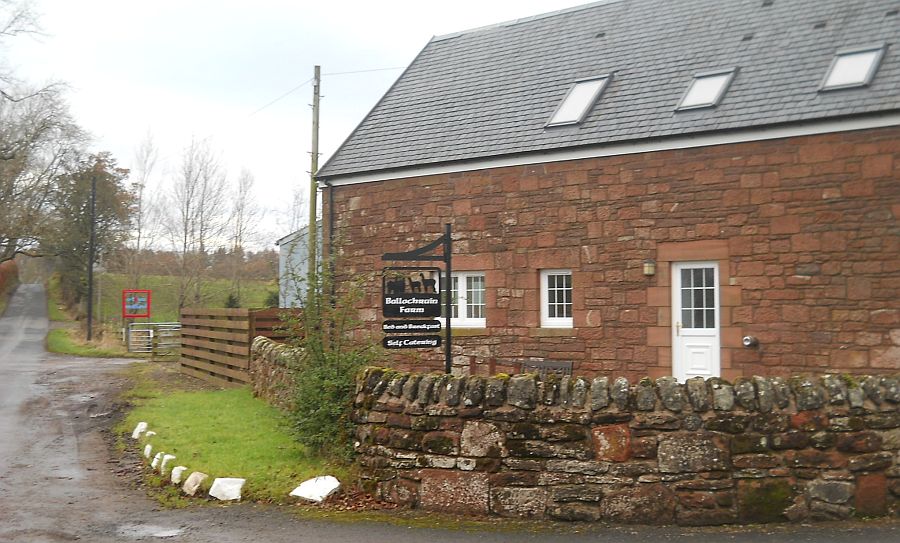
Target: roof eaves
[[725, 130]]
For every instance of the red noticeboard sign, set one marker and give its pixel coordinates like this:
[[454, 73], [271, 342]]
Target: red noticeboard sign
[[135, 304]]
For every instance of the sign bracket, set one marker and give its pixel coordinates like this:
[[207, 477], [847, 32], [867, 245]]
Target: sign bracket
[[422, 254]]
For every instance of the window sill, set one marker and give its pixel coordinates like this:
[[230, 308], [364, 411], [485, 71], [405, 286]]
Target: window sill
[[551, 332]]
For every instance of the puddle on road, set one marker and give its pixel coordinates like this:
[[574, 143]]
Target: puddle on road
[[140, 531], [36, 534]]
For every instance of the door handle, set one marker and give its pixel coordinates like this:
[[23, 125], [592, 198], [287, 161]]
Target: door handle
[[677, 328]]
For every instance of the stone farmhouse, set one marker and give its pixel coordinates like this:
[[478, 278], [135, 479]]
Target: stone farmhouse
[[688, 188]]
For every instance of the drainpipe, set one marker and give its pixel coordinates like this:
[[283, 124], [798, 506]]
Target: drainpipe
[[330, 230], [330, 236]]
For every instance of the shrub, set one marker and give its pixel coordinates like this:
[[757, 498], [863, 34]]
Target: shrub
[[272, 299], [232, 301], [323, 401], [334, 352]]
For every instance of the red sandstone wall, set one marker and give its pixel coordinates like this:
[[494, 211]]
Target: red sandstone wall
[[764, 450], [805, 230]]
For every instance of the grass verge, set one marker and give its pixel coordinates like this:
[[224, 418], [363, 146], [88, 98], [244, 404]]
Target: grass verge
[[225, 433], [66, 341], [54, 307], [230, 433]]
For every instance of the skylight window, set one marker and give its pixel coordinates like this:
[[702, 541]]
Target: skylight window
[[853, 68], [579, 100], [706, 90]]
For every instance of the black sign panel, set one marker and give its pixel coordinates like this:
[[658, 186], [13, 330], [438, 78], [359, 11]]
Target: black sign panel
[[412, 305], [411, 327], [411, 342], [411, 292]]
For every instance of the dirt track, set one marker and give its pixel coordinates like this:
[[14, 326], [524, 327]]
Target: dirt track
[[59, 480]]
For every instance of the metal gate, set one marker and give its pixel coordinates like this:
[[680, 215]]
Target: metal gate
[[153, 337]]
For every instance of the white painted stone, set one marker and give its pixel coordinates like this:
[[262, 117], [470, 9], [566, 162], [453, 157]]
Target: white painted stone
[[156, 458], [317, 489], [227, 488], [193, 483], [165, 460], [138, 430], [148, 450], [151, 433], [177, 472]]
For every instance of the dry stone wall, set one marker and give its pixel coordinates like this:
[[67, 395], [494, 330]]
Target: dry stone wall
[[700, 453], [271, 371]]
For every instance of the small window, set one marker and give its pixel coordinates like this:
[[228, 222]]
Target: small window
[[578, 101], [853, 68], [556, 298], [706, 90], [467, 299]]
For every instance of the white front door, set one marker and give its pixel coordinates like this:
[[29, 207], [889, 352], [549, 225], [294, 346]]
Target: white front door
[[695, 320]]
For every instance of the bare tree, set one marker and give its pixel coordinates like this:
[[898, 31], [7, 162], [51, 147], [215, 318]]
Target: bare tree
[[145, 210], [211, 218], [299, 210], [244, 215], [17, 17], [37, 137], [196, 203]]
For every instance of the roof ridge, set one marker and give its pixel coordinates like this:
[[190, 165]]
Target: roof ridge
[[512, 22]]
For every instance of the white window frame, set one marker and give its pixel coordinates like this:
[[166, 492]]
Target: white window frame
[[588, 105], [878, 49], [462, 299], [546, 320], [730, 73]]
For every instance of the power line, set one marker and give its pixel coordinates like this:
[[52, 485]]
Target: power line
[[308, 81], [283, 96], [367, 71]]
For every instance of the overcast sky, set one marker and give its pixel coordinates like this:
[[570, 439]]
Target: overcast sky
[[179, 69]]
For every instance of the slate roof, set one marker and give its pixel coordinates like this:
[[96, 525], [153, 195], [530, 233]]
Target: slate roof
[[489, 92]]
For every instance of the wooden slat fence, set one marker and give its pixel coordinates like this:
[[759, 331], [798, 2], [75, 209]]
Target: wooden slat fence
[[215, 343], [267, 322]]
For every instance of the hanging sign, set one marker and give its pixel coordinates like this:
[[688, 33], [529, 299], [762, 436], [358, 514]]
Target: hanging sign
[[411, 295], [411, 292], [411, 342], [412, 305], [411, 327], [136, 304]]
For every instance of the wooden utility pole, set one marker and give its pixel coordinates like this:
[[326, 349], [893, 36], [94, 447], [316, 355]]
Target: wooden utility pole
[[313, 191], [91, 249]]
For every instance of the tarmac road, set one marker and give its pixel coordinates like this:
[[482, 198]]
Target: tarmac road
[[58, 480]]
